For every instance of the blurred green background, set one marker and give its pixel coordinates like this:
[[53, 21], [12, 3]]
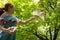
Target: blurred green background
[[37, 29]]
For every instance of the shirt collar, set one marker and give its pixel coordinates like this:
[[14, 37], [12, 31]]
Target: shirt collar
[[9, 14]]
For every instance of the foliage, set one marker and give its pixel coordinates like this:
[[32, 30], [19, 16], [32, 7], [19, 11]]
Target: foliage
[[37, 29]]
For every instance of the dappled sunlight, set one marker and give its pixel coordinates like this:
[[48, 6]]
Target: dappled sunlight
[[36, 1], [5, 1], [43, 28]]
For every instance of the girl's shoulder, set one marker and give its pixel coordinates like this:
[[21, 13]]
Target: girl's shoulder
[[10, 18], [7, 18]]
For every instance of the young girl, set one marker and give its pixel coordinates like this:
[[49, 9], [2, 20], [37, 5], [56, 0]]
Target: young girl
[[1, 26], [1, 11], [10, 34]]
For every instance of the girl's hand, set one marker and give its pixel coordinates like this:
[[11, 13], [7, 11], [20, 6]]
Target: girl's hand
[[6, 30], [32, 18], [11, 30], [26, 21]]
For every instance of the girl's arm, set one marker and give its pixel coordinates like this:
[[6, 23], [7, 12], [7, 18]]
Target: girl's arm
[[12, 29], [5, 29], [24, 22]]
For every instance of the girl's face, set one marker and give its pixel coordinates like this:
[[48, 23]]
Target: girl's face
[[11, 10]]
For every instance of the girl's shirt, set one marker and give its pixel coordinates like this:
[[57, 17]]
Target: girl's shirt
[[9, 24], [5, 35], [1, 26], [2, 17], [7, 15]]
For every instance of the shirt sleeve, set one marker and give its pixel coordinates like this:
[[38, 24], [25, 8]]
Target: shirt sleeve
[[14, 26], [18, 20]]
